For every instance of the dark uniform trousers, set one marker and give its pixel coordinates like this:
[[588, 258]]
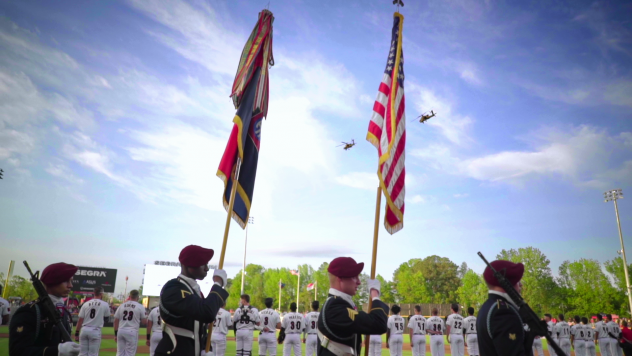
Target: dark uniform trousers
[[506, 334], [340, 322], [181, 308], [32, 332]]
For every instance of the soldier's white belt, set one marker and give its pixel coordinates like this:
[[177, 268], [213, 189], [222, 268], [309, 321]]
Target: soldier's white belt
[[335, 348], [172, 331]]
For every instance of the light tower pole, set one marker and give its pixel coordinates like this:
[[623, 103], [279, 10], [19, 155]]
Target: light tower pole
[[614, 195], [251, 220]]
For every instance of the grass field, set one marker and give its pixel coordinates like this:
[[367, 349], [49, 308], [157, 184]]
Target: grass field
[[230, 345]]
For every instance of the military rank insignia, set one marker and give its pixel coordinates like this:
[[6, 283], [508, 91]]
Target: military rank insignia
[[512, 337], [352, 314]]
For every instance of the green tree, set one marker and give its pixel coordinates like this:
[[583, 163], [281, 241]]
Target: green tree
[[387, 290], [592, 292], [22, 287], [615, 268], [411, 286], [439, 281], [473, 290], [538, 284]]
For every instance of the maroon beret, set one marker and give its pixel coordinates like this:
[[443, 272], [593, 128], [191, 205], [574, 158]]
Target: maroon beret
[[195, 256], [57, 273], [345, 267], [512, 271]]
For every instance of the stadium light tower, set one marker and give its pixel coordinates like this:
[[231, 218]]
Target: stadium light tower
[[614, 195], [251, 220]]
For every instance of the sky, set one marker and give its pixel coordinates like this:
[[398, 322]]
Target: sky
[[114, 116]]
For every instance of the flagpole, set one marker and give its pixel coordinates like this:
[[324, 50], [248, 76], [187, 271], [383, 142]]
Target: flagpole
[[298, 288], [231, 204], [280, 283], [316, 290], [376, 230]]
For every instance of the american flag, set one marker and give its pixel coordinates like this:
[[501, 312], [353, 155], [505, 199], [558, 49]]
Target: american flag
[[294, 272], [387, 131]]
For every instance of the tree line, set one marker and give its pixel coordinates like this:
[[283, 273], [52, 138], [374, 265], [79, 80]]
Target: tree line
[[583, 287]]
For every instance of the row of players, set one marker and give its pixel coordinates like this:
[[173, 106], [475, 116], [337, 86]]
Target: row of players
[[582, 337]]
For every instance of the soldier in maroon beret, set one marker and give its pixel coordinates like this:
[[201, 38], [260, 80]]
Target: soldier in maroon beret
[[184, 310], [340, 324], [26, 337], [498, 325]]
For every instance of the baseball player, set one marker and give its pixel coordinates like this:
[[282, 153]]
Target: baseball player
[[613, 331], [471, 338], [395, 332], [375, 345], [589, 338], [551, 327], [577, 337], [417, 331], [293, 325], [435, 327], [5, 309], [601, 335], [92, 316], [270, 322], [154, 330], [220, 330], [310, 338], [245, 319], [563, 331], [128, 319], [455, 331]]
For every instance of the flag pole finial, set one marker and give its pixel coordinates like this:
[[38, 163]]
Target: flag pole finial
[[398, 3]]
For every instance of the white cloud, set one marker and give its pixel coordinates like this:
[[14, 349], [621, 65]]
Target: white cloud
[[62, 171], [360, 180], [418, 199], [461, 195]]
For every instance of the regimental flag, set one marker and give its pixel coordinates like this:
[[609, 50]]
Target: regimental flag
[[250, 97], [310, 286], [294, 272], [387, 131]]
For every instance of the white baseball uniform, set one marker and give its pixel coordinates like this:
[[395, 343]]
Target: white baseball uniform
[[563, 331], [246, 318], [590, 341], [311, 329], [5, 308], [551, 328], [615, 330], [375, 345], [294, 325], [579, 343], [93, 314], [395, 325], [267, 340], [156, 330], [437, 346], [455, 321], [221, 325], [417, 323], [129, 315], [603, 338], [469, 324]]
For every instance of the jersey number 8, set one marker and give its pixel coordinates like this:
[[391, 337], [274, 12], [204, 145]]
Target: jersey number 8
[[93, 313]]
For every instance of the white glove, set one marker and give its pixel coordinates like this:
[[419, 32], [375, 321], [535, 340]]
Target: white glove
[[373, 284], [221, 274], [204, 353], [68, 349]]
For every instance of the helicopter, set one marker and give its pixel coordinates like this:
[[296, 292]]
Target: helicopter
[[425, 117], [347, 145]]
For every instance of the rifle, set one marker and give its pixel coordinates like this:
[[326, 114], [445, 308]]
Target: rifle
[[45, 301], [527, 314]]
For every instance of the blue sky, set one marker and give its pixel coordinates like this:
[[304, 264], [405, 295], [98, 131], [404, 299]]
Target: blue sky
[[114, 116]]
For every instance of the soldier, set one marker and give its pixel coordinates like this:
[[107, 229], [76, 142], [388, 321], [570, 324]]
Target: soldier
[[589, 338], [245, 319], [469, 328], [32, 331], [498, 325], [92, 316], [183, 307], [154, 330], [551, 326], [563, 331], [577, 337], [435, 327], [310, 338], [292, 325], [220, 329], [601, 336], [395, 332], [455, 331], [270, 322], [340, 324], [417, 330]]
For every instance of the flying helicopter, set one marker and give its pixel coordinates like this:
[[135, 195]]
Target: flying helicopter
[[427, 116], [347, 145]]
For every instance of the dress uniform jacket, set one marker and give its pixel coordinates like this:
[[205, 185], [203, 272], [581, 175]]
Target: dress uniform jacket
[[181, 307], [506, 334], [340, 322], [32, 332]]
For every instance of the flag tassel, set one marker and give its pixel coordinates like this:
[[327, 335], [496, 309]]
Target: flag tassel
[[376, 230], [231, 203]]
